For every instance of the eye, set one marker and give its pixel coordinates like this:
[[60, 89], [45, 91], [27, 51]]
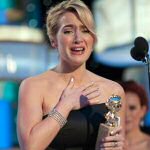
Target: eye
[[132, 108], [68, 31], [85, 30]]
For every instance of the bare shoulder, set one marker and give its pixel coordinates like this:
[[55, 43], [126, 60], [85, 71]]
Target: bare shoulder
[[146, 142], [108, 84], [38, 81], [114, 86], [31, 83], [147, 136], [35, 86]]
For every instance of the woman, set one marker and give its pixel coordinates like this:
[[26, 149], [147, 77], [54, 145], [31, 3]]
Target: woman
[[69, 91], [137, 106]]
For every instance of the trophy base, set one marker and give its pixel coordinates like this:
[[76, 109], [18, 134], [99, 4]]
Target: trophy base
[[103, 131]]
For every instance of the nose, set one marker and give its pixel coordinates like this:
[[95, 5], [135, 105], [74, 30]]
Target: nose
[[78, 37], [128, 112]]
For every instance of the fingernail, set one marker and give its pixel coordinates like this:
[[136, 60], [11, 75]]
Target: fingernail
[[111, 133], [72, 79], [98, 101]]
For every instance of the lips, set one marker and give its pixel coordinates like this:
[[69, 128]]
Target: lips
[[78, 50], [128, 120]]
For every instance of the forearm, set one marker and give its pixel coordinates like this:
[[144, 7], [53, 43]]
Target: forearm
[[43, 133]]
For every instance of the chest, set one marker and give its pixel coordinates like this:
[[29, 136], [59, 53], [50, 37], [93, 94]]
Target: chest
[[53, 93], [52, 96], [139, 146]]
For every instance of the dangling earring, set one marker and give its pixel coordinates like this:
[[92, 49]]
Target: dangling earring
[[142, 123]]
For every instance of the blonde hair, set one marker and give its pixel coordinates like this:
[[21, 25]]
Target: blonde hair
[[75, 6]]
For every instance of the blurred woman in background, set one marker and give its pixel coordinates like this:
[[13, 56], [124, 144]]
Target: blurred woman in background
[[137, 106]]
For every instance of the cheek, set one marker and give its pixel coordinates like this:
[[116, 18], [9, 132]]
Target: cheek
[[134, 112], [90, 42], [135, 116], [64, 41], [61, 44]]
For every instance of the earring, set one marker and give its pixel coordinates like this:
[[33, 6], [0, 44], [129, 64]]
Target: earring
[[53, 43], [142, 123]]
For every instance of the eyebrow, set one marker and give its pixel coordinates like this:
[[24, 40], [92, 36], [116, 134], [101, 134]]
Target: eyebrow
[[68, 25], [71, 25]]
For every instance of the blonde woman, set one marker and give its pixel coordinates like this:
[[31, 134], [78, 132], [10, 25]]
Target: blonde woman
[[63, 107]]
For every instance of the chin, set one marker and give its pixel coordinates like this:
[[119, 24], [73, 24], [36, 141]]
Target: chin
[[78, 62], [129, 128]]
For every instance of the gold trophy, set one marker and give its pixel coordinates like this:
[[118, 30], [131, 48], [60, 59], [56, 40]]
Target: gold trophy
[[112, 120]]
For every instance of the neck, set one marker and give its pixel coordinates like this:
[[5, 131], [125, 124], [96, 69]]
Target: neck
[[78, 73], [131, 136], [67, 68]]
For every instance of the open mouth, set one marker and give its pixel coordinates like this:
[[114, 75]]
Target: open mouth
[[78, 51]]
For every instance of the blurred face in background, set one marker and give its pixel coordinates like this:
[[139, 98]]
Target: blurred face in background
[[134, 113]]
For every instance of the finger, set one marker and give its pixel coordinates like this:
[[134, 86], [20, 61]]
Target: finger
[[117, 130], [115, 145], [84, 87], [90, 90], [111, 148], [93, 95], [70, 83], [94, 102], [114, 138], [107, 139]]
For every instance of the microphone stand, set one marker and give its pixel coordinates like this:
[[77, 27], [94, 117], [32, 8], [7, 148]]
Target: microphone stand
[[147, 61]]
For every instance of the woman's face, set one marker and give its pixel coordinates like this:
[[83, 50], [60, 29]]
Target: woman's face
[[134, 113], [73, 40]]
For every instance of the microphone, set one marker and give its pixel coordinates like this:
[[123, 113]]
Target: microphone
[[140, 53], [140, 49]]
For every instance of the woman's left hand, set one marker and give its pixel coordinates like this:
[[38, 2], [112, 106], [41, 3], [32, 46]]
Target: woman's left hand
[[115, 141]]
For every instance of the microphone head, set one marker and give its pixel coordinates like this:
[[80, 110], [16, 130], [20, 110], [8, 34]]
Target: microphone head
[[141, 44], [140, 49], [137, 54]]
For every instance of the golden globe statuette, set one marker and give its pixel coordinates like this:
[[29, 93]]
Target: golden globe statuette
[[112, 120]]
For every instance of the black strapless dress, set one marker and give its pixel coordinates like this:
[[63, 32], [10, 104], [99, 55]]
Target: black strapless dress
[[80, 132]]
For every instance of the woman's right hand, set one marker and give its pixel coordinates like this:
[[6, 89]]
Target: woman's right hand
[[114, 141], [82, 96]]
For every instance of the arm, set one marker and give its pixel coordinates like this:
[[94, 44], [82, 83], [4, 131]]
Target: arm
[[35, 133], [116, 138]]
